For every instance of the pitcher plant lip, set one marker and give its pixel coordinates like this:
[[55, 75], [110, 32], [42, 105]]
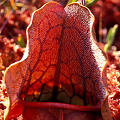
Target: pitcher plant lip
[[58, 105]]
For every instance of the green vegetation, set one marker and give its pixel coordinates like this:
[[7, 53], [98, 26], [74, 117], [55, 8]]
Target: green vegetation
[[20, 41], [110, 37], [90, 2]]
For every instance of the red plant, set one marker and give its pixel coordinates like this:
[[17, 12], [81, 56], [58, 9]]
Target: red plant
[[62, 74]]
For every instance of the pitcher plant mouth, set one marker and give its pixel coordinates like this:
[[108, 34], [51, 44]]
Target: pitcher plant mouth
[[57, 105], [20, 106]]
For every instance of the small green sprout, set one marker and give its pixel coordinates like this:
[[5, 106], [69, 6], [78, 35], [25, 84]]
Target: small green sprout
[[90, 2], [20, 41], [110, 37], [71, 1], [87, 3]]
